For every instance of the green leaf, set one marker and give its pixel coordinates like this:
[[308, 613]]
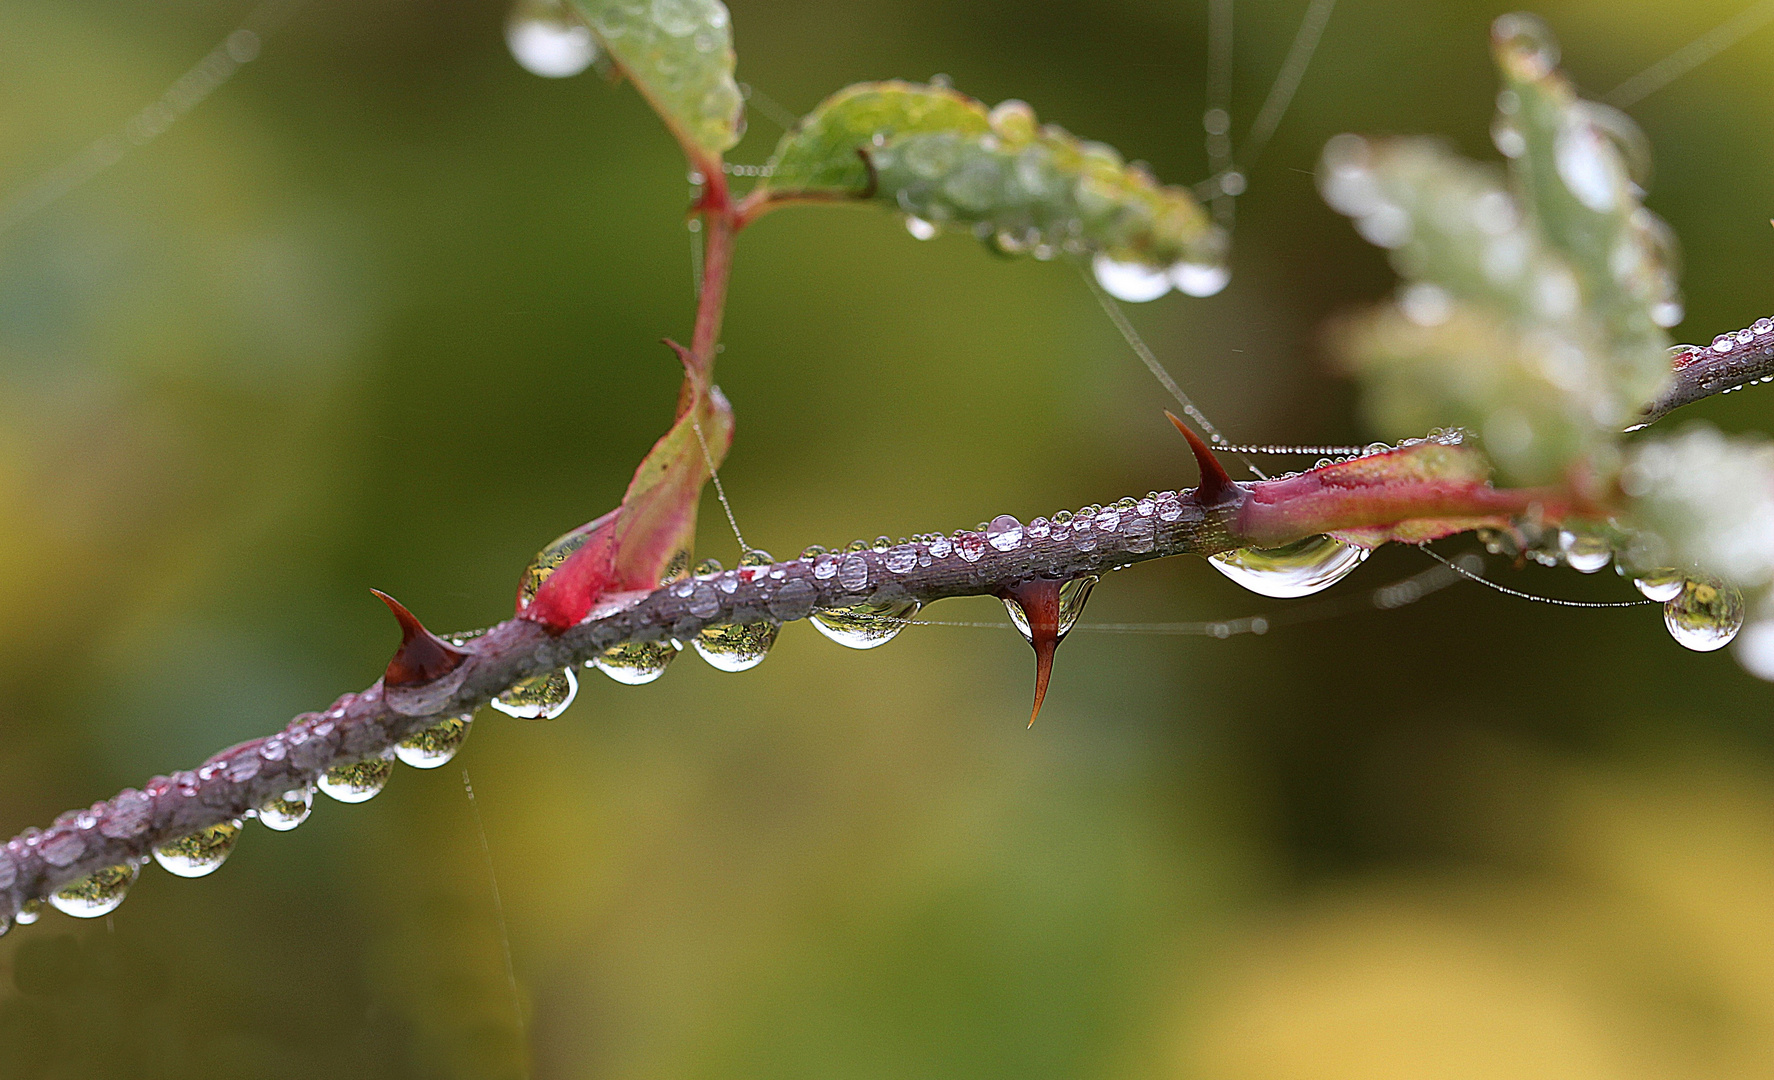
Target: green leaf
[[1533, 298], [942, 157], [679, 53]]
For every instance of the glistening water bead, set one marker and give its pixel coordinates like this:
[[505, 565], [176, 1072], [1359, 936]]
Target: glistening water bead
[[1705, 615], [288, 810], [635, 663], [1661, 585], [1297, 569], [866, 625], [200, 853], [359, 781], [431, 747], [96, 894], [736, 646], [548, 39], [540, 697], [1072, 596]]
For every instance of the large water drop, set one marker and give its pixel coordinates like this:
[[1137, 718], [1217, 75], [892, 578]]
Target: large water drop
[[200, 853], [539, 697], [1200, 279], [636, 662], [1661, 585], [1072, 596], [1705, 615], [1297, 569], [1133, 282], [736, 646], [548, 39], [1004, 533], [96, 894], [436, 745], [359, 781], [865, 625], [1583, 552], [288, 810]]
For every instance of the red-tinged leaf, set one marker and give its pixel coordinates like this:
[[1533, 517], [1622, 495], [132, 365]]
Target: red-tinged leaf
[[632, 548], [1414, 493]]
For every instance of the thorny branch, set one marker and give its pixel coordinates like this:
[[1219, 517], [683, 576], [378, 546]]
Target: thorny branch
[[1730, 362]]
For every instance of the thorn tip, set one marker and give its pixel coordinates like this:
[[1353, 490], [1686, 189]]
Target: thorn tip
[[1216, 486]]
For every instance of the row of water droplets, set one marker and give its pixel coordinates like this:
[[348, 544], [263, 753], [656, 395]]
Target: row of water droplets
[[1700, 612], [201, 853]]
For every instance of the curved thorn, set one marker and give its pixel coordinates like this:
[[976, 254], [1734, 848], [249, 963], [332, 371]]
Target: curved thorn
[[423, 656], [1216, 486], [1039, 600]]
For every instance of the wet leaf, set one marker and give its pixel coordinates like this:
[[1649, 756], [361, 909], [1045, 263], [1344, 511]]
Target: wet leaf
[[633, 548], [679, 54], [1534, 295], [943, 158]]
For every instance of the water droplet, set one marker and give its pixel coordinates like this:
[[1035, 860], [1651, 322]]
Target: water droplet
[[919, 228], [902, 558], [635, 663], [1584, 553], [435, 745], [857, 545], [548, 39], [1199, 279], [970, 546], [736, 646], [811, 552], [539, 697], [708, 568], [1072, 596], [289, 810], [1589, 165], [1004, 533], [853, 572], [825, 566], [865, 625], [29, 912], [1170, 506], [940, 547], [1763, 326], [1108, 519], [1297, 569], [545, 563], [1524, 42], [1723, 343], [1133, 282], [359, 781], [96, 894], [1705, 615], [200, 853]]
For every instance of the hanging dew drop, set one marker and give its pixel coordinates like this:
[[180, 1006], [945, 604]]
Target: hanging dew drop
[[1662, 585], [96, 894], [1133, 282], [634, 663], [736, 646], [285, 813], [1584, 553], [1199, 279], [919, 228], [359, 781], [539, 697], [867, 625], [435, 745], [201, 853], [1705, 615], [1072, 596], [546, 38], [1297, 569], [29, 912]]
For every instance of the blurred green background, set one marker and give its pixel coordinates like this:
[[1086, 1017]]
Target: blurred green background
[[384, 312]]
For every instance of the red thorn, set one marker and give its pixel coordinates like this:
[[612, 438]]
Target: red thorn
[[422, 656], [1216, 487], [1039, 600]]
